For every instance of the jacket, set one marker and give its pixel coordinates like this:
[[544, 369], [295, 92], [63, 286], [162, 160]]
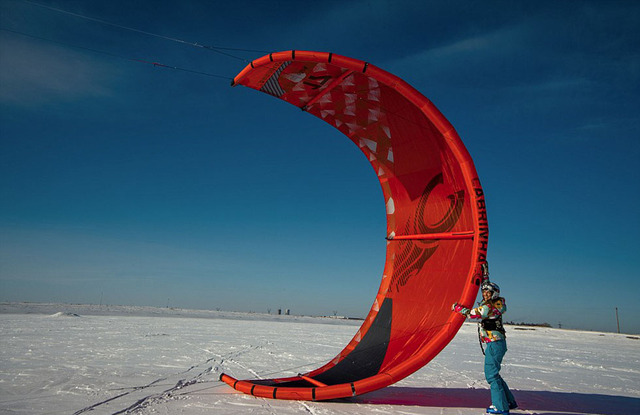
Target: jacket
[[488, 311]]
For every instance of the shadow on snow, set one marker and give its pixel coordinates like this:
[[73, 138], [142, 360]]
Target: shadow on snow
[[573, 403]]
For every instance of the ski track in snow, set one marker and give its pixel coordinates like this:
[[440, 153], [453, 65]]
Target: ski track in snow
[[203, 369], [73, 362]]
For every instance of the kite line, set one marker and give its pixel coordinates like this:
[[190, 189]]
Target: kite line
[[113, 55], [217, 49]]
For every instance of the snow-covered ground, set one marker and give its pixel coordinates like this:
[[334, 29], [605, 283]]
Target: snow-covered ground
[[75, 359]]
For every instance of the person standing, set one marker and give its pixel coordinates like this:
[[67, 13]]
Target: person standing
[[492, 334]]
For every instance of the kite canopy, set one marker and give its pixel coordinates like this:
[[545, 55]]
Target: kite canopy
[[436, 218]]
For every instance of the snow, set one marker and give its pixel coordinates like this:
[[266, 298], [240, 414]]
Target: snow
[[75, 359]]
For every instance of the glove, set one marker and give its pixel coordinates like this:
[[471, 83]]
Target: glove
[[457, 308]]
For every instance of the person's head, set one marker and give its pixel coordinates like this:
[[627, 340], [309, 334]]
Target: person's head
[[490, 291]]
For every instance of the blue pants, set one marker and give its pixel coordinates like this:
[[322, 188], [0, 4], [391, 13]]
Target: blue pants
[[501, 396]]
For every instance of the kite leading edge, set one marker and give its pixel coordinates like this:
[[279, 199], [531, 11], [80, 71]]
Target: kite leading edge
[[437, 231]]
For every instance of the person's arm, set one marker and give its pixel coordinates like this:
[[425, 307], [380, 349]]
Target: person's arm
[[473, 313], [479, 313]]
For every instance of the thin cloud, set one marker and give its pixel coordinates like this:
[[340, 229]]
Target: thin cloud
[[554, 85], [472, 52], [35, 73]]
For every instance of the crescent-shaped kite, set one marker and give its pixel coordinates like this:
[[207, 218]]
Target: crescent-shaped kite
[[437, 229]]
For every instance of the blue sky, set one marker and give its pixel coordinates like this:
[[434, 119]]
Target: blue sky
[[150, 186]]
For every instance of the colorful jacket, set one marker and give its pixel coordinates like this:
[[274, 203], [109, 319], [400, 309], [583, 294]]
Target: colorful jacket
[[487, 311]]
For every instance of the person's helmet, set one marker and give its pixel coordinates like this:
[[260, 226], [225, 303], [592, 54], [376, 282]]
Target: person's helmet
[[492, 287]]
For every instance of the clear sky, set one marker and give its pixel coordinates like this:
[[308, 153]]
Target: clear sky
[[126, 183]]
